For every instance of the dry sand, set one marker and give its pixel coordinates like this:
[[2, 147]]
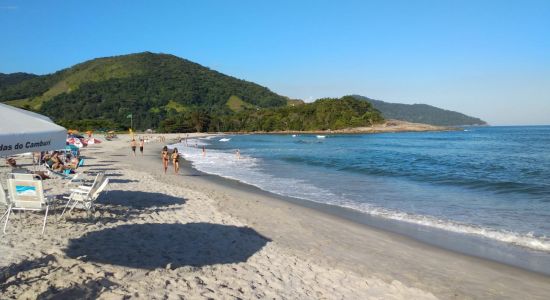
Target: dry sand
[[187, 236]]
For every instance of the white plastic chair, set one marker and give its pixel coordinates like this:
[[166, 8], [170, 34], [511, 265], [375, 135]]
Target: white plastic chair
[[27, 195], [86, 197]]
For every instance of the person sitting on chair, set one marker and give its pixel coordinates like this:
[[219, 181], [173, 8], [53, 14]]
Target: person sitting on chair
[[56, 162], [11, 162]]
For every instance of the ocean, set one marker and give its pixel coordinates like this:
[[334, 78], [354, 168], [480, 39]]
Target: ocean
[[489, 182]]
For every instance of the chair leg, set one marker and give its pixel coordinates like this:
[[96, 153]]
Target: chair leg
[[72, 207], [45, 218], [7, 218], [4, 215], [66, 205], [55, 212]]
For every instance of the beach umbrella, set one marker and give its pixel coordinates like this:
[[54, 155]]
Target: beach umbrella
[[76, 142], [92, 141], [23, 131]]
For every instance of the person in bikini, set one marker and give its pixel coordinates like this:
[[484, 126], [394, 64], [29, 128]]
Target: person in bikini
[[176, 160], [141, 143], [165, 157], [133, 145]]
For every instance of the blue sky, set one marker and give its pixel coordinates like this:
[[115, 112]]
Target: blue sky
[[489, 59]]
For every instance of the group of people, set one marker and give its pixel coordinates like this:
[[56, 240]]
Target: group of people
[[56, 162], [167, 156], [133, 145]]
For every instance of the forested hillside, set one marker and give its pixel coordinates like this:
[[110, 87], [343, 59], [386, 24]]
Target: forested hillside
[[422, 113], [323, 114], [9, 80], [148, 86]]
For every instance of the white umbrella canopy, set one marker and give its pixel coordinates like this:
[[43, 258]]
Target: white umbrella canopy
[[23, 131]]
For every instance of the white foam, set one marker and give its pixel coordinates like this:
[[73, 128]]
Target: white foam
[[249, 170]]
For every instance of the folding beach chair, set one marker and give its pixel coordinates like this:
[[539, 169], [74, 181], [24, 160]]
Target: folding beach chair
[[27, 194], [80, 163], [64, 175], [4, 201], [85, 197], [84, 184], [4, 197], [25, 176]]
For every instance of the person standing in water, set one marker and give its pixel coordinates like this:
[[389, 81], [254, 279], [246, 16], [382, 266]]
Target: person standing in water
[[133, 144], [203, 151], [165, 157], [176, 160], [238, 154], [141, 143]]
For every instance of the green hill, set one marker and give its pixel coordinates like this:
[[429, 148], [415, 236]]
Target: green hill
[[149, 86], [7, 80], [422, 113]]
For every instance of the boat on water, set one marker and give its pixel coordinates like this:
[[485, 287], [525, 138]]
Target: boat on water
[[321, 136], [225, 140]]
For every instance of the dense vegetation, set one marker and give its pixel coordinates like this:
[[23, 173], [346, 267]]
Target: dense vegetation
[[323, 114], [10, 87], [172, 94], [13, 79], [94, 88], [422, 113]]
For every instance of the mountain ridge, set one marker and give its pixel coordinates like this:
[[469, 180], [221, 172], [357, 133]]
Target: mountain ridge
[[422, 113]]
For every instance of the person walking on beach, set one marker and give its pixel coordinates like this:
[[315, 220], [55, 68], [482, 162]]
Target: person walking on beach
[[141, 143], [165, 157], [176, 160], [133, 144]]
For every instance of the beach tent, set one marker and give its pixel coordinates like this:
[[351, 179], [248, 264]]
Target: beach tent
[[23, 131]]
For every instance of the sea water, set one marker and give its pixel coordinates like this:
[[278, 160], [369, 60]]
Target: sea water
[[489, 182]]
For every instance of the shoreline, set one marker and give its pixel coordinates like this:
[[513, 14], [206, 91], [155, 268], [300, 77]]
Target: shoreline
[[389, 126], [256, 210]]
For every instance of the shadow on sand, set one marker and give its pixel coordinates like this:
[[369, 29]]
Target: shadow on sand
[[91, 289], [122, 180], [41, 266], [26, 265], [151, 246], [119, 205], [138, 200]]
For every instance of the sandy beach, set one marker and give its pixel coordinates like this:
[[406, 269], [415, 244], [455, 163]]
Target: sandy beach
[[196, 236]]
